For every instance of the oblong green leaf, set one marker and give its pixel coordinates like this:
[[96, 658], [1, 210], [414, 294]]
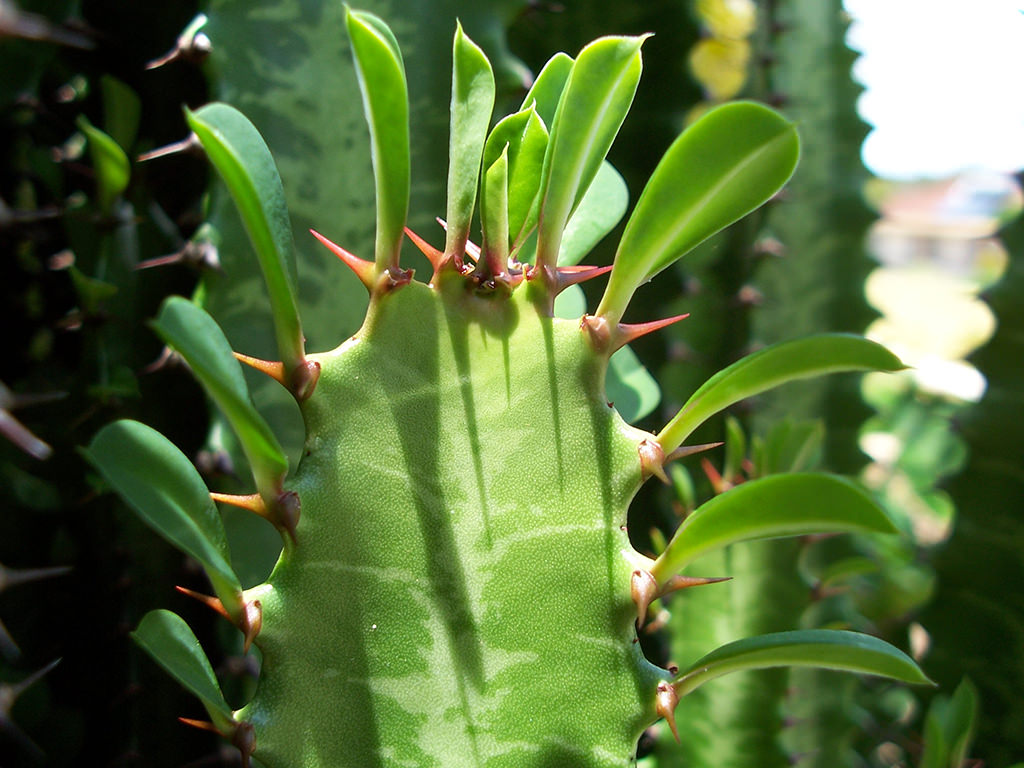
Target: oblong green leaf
[[597, 96], [494, 211], [162, 486], [110, 164], [196, 337], [524, 137], [630, 387], [546, 90], [821, 648], [471, 107], [718, 170], [237, 150], [170, 642], [381, 75], [602, 207], [795, 504], [770, 367]]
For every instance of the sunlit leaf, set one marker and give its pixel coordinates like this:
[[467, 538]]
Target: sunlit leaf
[[770, 367], [547, 89], [795, 504], [381, 75], [494, 210], [820, 648], [719, 169], [597, 97], [196, 337], [524, 136], [243, 161], [471, 107]]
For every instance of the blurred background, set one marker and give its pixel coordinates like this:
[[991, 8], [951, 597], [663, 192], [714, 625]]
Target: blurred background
[[902, 223]]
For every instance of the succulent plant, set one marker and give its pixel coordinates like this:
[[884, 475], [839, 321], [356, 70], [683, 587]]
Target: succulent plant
[[457, 585]]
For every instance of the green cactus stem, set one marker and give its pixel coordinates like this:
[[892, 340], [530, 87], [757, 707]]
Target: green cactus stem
[[456, 585]]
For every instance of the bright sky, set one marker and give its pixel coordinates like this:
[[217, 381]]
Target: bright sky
[[944, 84]]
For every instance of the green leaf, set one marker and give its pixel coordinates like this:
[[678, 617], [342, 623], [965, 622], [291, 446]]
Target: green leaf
[[630, 386], [121, 111], [601, 208], [768, 508], [381, 75], [735, 449], [494, 211], [471, 107], [949, 728], [526, 138], [547, 89], [243, 161], [768, 368], [168, 640], [595, 101], [196, 337], [820, 648], [110, 164], [721, 168], [162, 486]]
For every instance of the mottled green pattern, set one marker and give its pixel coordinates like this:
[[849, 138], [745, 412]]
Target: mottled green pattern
[[430, 644], [288, 67]]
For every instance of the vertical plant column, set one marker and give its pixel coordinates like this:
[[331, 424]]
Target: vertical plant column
[[977, 617], [816, 282]]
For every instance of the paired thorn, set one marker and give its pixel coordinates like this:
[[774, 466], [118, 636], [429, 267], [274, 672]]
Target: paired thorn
[[436, 258], [652, 461], [192, 45], [689, 450], [665, 702], [300, 382], [189, 145], [249, 619], [607, 339], [283, 513], [197, 254], [644, 589], [364, 270]]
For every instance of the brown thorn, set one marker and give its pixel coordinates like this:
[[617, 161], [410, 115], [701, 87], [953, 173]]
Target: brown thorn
[[665, 703], [303, 379], [189, 145], [643, 588], [244, 740], [190, 47], [684, 582], [364, 270], [251, 501], [286, 513], [253, 614], [652, 461], [629, 332], [689, 450], [566, 276], [435, 257], [271, 368], [207, 600], [202, 725]]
